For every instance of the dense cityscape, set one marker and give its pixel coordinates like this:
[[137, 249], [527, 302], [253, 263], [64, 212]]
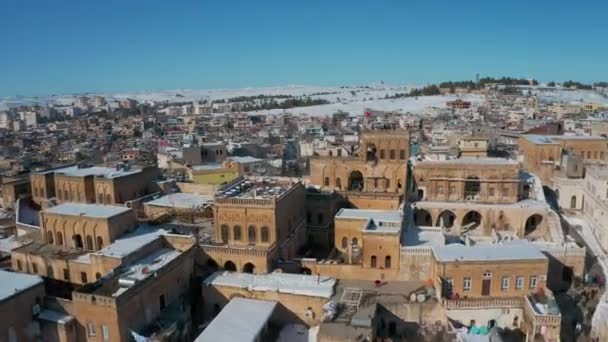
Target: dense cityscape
[[456, 211]]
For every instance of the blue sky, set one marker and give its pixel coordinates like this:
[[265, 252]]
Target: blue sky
[[68, 46]]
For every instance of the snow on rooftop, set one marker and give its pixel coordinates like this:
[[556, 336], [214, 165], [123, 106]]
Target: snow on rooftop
[[245, 160], [553, 139], [131, 242], [496, 252], [102, 171], [9, 243], [298, 284], [420, 237], [12, 283], [89, 210], [207, 167], [377, 215], [146, 266], [225, 328], [182, 200], [55, 316]]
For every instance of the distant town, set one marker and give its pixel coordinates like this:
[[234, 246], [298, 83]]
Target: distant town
[[458, 211]]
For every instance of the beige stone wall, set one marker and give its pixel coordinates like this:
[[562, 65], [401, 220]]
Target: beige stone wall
[[446, 181], [95, 232], [137, 307], [74, 189], [16, 312], [458, 270]]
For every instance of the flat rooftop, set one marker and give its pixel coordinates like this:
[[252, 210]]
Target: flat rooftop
[[141, 269], [599, 171], [225, 328], [417, 237], [246, 189], [245, 160], [297, 284], [495, 252], [381, 221], [469, 161], [13, 283], [554, 139], [100, 171], [131, 242], [88, 210], [182, 200], [208, 167]]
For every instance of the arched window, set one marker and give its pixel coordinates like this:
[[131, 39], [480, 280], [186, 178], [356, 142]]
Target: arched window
[[225, 233], [100, 198], [90, 243], [108, 199], [382, 156], [49, 237], [387, 262], [339, 183], [387, 183], [99, 242], [402, 154], [59, 238], [573, 202], [392, 154], [237, 233], [97, 275], [251, 234], [78, 241], [373, 261], [355, 241], [265, 234], [344, 242], [326, 181]]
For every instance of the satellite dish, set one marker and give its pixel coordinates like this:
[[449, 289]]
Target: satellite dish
[[420, 298], [413, 297]]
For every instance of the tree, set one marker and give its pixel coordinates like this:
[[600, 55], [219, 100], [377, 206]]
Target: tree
[[551, 84]]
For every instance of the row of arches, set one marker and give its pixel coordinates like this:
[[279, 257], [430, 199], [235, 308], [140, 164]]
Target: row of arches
[[470, 221], [356, 182], [77, 241], [237, 233], [231, 266]]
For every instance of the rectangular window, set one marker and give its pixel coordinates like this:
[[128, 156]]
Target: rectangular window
[[533, 282], [105, 333], [66, 274], [91, 329], [491, 191], [519, 283], [452, 190], [83, 277], [34, 268], [19, 265], [466, 284], [440, 190], [402, 154], [504, 285], [392, 154]]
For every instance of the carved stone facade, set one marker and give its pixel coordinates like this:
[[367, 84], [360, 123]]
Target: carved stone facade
[[379, 169]]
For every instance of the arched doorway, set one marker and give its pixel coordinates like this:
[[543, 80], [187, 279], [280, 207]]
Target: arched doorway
[[573, 202], [338, 183], [532, 223], [471, 221], [248, 268], [229, 266], [306, 271], [472, 187], [422, 217], [446, 219], [355, 181]]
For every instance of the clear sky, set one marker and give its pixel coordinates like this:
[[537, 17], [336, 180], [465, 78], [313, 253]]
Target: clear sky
[[68, 46]]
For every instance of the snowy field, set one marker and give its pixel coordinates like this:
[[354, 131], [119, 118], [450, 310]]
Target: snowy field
[[570, 96]]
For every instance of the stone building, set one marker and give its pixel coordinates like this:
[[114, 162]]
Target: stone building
[[256, 223], [595, 201], [542, 154], [374, 178], [474, 145], [96, 184], [21, 297]]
